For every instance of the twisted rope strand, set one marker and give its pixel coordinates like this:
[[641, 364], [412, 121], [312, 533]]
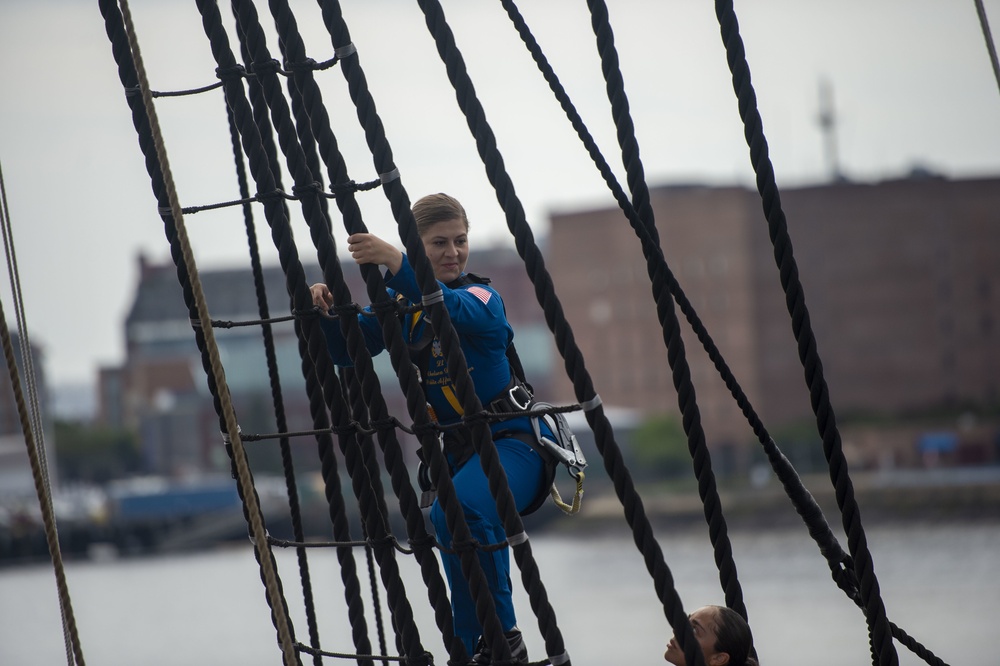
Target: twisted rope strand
[[841, 565], [258, 140], [31, 426], [115, 29], [365, 478], [256, 523], [252, 118], [416, 405], [794, 297], [287, 464], [499, 488], [676, 354]]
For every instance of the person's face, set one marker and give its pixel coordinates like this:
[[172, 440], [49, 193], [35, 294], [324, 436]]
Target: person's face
[[703, 623], [447, 247]]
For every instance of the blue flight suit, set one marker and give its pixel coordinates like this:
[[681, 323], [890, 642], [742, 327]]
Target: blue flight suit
[[477, 314]]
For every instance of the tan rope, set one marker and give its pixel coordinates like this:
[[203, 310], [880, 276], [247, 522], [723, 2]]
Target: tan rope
[[34, 439], [218, 373], [40, 475], [27, 358], [22, 328], [569, 509]]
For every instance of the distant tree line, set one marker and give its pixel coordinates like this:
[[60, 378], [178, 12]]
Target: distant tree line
[[88, 453]]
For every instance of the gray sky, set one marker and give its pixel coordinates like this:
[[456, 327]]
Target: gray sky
[[911, 79]]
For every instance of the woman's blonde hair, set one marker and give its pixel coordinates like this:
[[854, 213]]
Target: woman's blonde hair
[[434, 208]]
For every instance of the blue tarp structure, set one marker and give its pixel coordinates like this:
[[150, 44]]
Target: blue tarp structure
[[938, 442]]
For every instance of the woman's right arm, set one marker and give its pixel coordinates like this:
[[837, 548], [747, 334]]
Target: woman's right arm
[[335, 342]]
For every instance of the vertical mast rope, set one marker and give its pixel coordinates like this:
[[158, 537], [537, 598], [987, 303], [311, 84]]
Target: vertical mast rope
[[883, 650], [244, 478], [840, 563], [125, 47], [276, 392], [34, 432]]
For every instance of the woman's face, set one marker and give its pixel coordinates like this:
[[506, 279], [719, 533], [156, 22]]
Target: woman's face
[[703, 622], [447, 247]]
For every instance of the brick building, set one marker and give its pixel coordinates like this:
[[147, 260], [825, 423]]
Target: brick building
[[901, 279]]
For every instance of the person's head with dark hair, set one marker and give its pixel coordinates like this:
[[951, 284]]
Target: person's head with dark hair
[[724, 637], [733, 636]]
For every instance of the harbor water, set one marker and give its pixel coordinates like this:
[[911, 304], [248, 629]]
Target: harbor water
[[938, 581]]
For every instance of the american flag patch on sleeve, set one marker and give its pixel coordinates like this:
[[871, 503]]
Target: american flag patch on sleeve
[[482, 294]]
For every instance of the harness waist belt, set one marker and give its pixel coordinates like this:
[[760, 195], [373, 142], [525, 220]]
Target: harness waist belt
[[515, 398]]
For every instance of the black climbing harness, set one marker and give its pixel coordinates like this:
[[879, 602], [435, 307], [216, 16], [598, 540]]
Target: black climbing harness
[[515, 398]]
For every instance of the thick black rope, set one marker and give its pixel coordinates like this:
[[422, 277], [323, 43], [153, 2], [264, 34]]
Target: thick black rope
[[441, 324], [800, 496], [115, 30], [308, 145], [803, 500], [359, 452], [306, 90], [807, 507], [262, 153], [486, 144], [334, 494], [583, 387], [324, 237], [875, 613], [351, 388], [274, 378], [333, 491], [840, 564], [681, 371]]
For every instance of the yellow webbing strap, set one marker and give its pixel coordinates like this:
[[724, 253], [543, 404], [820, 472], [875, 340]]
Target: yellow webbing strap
[[449, 395], [569, 509]]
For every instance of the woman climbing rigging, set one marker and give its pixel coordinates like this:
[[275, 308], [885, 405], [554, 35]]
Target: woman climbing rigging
[[478, 316]]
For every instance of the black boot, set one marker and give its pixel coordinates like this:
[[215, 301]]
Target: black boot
[[518, 650]]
